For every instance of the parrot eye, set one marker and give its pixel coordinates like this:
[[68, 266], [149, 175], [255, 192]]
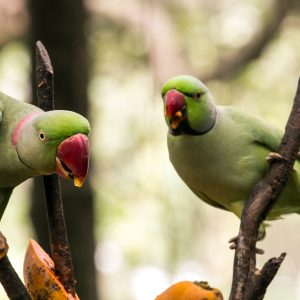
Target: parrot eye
[[42, 136], [197, 96]]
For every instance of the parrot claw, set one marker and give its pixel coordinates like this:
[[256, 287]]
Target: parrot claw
[[233, 242], [259, 251], [274, 156]]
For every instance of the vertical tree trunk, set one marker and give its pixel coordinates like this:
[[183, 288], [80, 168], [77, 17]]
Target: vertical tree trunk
[[59, 24]]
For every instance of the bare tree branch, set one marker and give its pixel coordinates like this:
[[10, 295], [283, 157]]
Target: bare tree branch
[[258, 205], [9, 279], [60, 248], [260, 280]]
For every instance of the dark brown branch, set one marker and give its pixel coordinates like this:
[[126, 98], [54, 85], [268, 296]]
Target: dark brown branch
[[60, 249], [258, 205], [44, 78], [9, 279], [260, 280]]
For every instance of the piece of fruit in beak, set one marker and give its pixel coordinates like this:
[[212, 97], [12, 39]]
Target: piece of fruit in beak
[[175, 106], [72, 160], [39, 275]]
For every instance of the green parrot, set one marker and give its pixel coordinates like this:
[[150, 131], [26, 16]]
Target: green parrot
[[219, 151], [35, 143]]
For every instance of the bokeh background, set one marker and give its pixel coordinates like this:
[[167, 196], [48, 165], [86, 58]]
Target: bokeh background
[[136, 228]]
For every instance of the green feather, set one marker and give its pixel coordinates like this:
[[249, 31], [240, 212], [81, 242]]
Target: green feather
[[24, 152], [222, 165]]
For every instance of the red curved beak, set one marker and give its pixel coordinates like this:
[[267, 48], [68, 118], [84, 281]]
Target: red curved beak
[[175, 105], [72, 160]]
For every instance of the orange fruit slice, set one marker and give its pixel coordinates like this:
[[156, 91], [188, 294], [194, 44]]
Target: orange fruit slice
[[39, 275], [188, 290]]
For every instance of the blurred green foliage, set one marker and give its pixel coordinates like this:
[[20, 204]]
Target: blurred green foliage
[[151, 230]]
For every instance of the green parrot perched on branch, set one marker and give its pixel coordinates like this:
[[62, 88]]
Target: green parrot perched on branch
[[35, 143], [219, 151]]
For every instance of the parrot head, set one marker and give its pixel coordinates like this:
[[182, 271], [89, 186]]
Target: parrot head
[[54, 141], [188, 106]]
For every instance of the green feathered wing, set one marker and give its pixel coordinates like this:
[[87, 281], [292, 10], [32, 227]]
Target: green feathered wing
[[223, 165], [4, 192], [11, 111]]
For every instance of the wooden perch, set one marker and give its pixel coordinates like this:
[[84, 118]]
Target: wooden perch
[[9, 279], [60, 249], [248, 282]]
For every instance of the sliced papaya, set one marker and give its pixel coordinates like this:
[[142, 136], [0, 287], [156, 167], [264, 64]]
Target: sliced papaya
[[39, 275], [188, 290]]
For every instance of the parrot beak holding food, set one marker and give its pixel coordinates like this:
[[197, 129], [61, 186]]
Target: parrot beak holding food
[[175, 106], [72, 160]]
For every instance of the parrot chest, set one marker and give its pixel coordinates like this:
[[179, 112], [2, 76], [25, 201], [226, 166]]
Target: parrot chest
[[223, 164], [12, 171]]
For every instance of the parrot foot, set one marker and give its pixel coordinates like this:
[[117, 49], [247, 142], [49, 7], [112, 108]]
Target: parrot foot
[[233, 242], [274, 156]]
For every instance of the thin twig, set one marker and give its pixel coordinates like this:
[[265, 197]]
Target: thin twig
[[9, 279], [260, 280], [60, 248], [258, 205]]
